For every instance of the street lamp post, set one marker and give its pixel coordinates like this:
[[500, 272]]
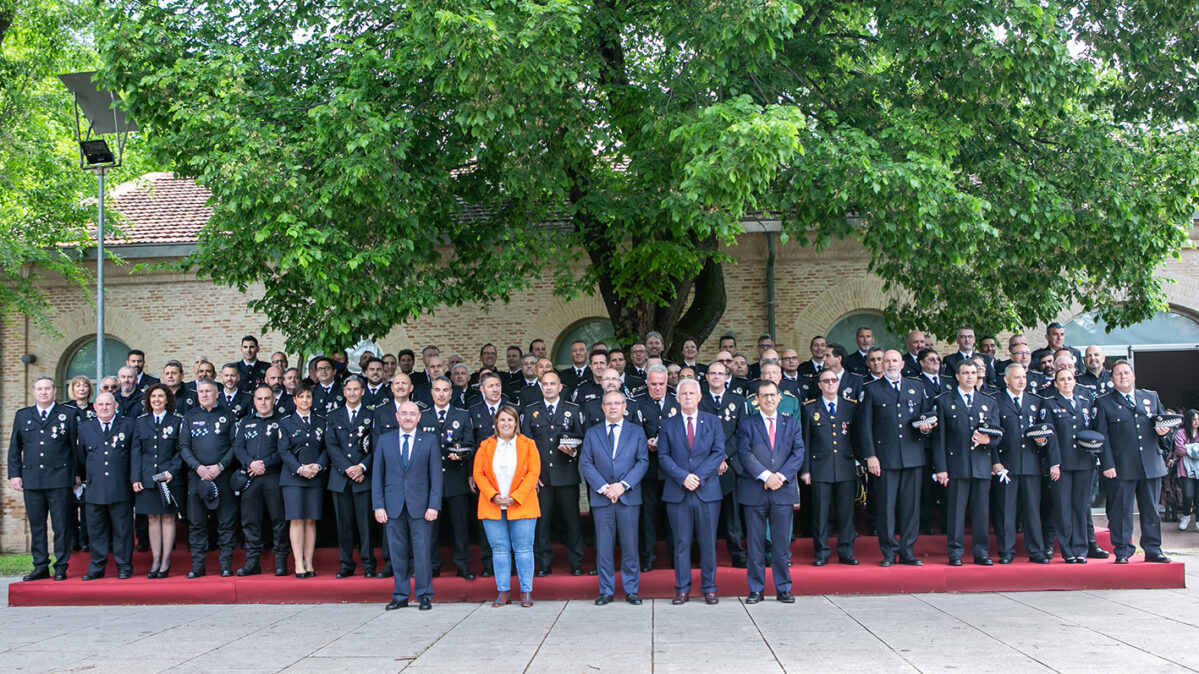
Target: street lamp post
[[104, 118]]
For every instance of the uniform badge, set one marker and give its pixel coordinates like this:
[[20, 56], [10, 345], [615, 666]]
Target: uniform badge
[[844, 428], [318, 432], [673, 411], [911, 391], [121, 436], [455, 424], [366, 421], [911, 407], [953, 407], [535, 413], [221, 420], [63, 417], [566, 414], [815, 416], [984, 408], [166, 432]]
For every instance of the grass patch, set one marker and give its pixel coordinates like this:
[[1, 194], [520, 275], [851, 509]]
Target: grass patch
[[15, 565]]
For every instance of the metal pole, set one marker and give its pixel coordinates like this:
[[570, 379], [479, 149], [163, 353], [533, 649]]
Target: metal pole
[[100, 282]]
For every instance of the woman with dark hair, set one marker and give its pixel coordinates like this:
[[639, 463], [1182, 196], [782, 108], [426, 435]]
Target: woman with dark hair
[[302, 451], [506, 471], [155, 461], [1186, 449]]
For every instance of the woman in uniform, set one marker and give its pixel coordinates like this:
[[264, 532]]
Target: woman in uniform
[[155, 458], [302, 451], [1070, 468]]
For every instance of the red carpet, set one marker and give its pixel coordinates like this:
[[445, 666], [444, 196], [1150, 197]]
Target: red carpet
[[868, 578]]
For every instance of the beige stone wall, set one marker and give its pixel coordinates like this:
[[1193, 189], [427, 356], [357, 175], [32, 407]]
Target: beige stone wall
[[171, 315]]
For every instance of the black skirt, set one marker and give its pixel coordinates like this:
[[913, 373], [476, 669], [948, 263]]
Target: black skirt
[[148, 501], [303, 503]]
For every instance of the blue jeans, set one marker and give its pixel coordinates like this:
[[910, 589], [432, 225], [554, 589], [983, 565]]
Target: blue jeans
[[508, 537]]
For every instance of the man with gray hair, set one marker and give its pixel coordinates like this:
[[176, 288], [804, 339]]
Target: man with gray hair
[[129, 397], [103, 451], [41, 465]]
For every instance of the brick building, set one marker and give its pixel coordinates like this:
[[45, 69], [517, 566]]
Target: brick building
[[175, 316]]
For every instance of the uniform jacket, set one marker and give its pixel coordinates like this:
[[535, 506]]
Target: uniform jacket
[[1066, 422], [456, 429], [257, 439], [348, 445], [558, 469], [155, 448], [42, 453], [885, 423], [299, 444], [105, 460], [207, 438], [829, 440], [1130, 444], [652, 415], [1018, 454], [953, 450]]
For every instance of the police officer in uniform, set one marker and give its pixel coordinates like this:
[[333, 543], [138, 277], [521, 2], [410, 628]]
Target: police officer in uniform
[[828, 436], [1021, 458], [377, 390], [154, 456], [42, 465], [1093, 376], [129, 398], [103, 451], [592, 388], [452, 428], [256, 446], [964, 460], [546, 422], [1132, 462], [1070, 412], [657, 404], [717, 400], [894, 452], [232, 397], [326, 390], [207, 449], [348, 441], [482, 419], [282, 402], [251, 371]]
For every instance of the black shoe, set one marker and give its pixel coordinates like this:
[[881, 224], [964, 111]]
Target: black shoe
[[487, 573], [1038, 560], [603, 600], [344, 573], [426, 604], [1006, 559], [436, 572], [465, 573], [92, 576], [387, 572], [927, 531], [247, 570], [646, 568], [984, 561], [60, 575], [592, 572], [911, 561], [543, 571], [785, 597], [125, 574], [226, 572], [576, 571], [634, 599], [739, 563], [143, 547], [1121, 560], [85, 548], [281, 568], [753, 598], [396, 603], [1096, 552], [37, 574], [848, 561], [196, 572], [1157, 557], [819, 561], [887, 561], [368, 573], [955, 562]]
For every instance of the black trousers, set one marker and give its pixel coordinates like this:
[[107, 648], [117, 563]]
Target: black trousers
[[111, 528], [56, 505], [898, 511], [975, 494], [78, 524], [263, 498], [1020, 498], [226, 521], [829, 498], [562, 504], [353, 512], [653, 515], [1072, 503], [455, 509], [1121, 496], [730, 517]]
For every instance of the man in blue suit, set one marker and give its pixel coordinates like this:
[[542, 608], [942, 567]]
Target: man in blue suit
[[690, 451], [406, 493], [613, 461], [771, 449]]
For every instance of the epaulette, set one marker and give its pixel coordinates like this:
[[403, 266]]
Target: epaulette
[[788, 393], [809, 401], [849, 399]]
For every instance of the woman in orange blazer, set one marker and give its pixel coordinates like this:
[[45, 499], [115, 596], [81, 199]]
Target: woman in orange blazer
[[507, 466]]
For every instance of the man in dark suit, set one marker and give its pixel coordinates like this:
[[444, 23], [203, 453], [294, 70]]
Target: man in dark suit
[[406, 483], [129, 398], [656, 405], [828, 436], [690, 451], [232, 397], [103, 451], [772, 452], [452, 427], [251, 370], [136, 359], [930, 375], [42, 464], [965, 341], [577, 373], [894, 452], [613, 460], [856, 361], [348, 441], [913, 342], [964, 460], [1132, 462], [1019, 489], [547, 422], [809, 368], [729, 406]]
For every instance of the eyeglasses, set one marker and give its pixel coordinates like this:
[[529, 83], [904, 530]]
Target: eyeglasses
[[828, 381]]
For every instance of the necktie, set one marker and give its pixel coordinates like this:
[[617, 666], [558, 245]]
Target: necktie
[[969, 398], [305, 420], [550, 410], [45, 413], [157, 420], [1129, 398], [1017, 401], [404, 451], [832, 409], [106, 424], [612, 439], [441, 416], [690, 434], [895, 385], [819, 367], [718, 401], [491, 410]]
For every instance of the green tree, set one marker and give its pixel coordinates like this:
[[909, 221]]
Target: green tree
[[1001, 159], [46, 203]]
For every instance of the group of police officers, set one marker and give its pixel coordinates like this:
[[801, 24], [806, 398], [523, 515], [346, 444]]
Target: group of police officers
[[1012, 443]]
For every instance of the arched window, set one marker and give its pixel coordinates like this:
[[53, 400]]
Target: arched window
[[80, 358], [1164, 328], [845, 331], [590, 330]]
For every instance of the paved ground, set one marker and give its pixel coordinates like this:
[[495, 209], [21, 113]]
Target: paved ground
[[1129, 630]]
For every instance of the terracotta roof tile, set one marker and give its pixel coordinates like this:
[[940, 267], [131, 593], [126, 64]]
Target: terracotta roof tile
[[159, 208]]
